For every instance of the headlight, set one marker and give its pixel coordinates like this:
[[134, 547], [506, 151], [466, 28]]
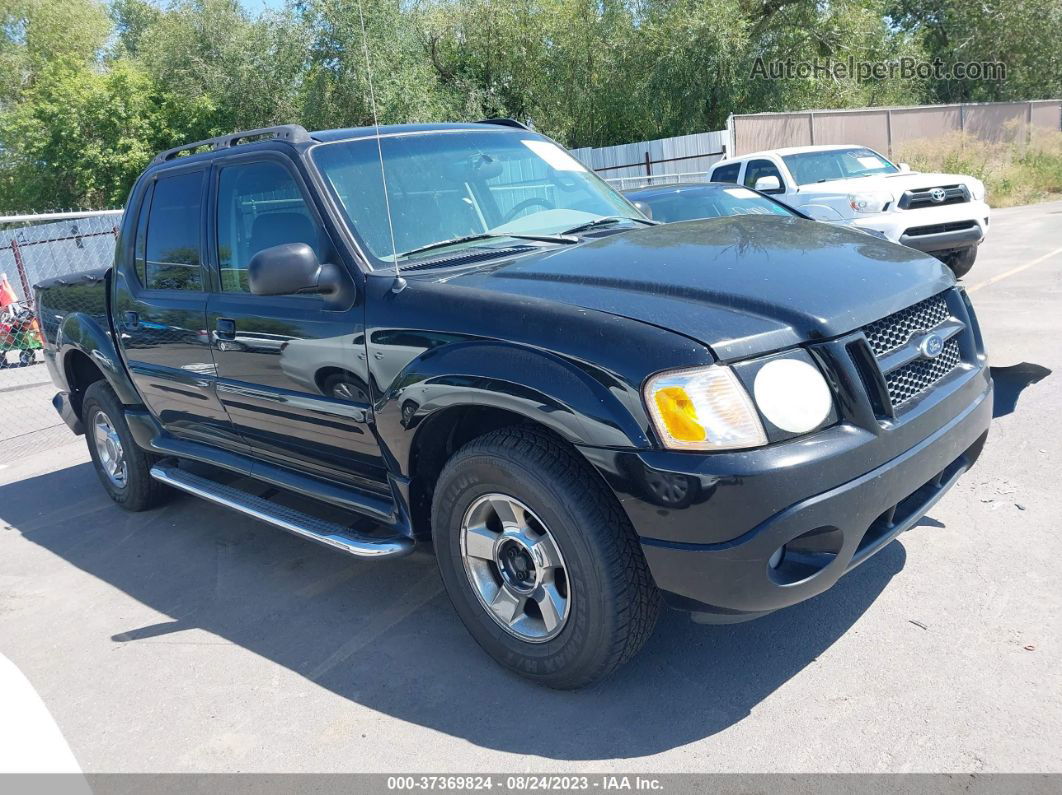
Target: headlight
[[868, 202], [793, 395], [977, 190], [704, 408]]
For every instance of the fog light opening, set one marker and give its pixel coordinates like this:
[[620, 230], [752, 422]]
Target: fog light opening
[[805, 556], [776, 559]]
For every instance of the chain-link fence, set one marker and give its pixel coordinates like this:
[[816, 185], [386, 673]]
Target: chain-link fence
[[32, 249]]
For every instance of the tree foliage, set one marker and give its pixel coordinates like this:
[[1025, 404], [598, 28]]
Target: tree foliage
[[88, 92]]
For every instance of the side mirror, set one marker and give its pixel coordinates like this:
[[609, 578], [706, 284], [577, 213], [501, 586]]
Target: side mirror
[[768, 184], [644, 209], [904, 167], [292, 268]]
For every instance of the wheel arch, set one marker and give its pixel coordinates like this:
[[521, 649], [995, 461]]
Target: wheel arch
[[87, 354], [439, 436]]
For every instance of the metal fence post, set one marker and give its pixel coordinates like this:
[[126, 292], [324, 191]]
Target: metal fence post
[[888, 130], [648, 165], [20, 266]]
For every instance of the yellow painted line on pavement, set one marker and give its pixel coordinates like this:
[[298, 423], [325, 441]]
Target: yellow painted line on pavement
[[1012, 271]]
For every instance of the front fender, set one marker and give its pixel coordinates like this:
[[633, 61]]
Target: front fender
[[577, 401]]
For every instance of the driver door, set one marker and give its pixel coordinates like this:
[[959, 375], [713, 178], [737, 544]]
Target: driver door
[[291, 373]]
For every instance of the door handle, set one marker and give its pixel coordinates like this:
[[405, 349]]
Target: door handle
[[225, 328], [131, 319]]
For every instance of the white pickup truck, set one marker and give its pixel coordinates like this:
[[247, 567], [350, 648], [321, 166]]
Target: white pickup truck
[[942, 214]]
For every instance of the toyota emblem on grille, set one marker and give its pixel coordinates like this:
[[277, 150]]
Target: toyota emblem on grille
[[931, 346], [937, 195]]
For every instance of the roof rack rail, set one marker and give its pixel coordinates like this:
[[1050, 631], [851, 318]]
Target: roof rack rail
[[292, 133], [505, 123]]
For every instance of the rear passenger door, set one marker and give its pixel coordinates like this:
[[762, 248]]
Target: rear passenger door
[[726, 173], [292, 372], [160, 310]]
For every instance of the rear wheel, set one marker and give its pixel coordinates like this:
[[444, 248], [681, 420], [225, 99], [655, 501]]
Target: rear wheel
[[123, 468], [961, 261], [345, 386], [541, 564]]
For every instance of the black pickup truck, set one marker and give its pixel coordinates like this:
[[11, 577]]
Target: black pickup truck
[[462, 338]]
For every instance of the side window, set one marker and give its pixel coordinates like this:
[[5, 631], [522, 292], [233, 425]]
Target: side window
[[762, 168], [728, 173], [172, 245], [140, 245], [259, 206]]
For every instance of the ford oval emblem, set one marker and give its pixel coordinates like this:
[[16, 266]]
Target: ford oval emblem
[[937, 195], [932, 346]]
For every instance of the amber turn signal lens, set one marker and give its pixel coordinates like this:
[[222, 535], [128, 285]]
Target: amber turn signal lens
[[679, 414], [703, 408]]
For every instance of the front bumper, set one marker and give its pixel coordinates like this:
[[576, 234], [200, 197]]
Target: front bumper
[[791, 519], [931, 229]]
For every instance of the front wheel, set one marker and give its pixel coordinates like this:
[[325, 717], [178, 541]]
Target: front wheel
[[961, 261], [540, 563], [123, 467]]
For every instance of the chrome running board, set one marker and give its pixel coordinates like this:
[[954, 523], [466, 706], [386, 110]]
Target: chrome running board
[[290, 519]]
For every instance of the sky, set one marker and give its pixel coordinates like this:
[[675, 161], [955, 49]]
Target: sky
[[255, 6]]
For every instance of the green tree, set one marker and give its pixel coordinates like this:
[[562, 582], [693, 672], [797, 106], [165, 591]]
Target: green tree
[[336, 89], [36, 33], [1024, 35], [78, 137]]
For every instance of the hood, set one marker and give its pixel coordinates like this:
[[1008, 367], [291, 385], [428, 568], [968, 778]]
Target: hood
[[829, 201], [893, 184], [742, 285]]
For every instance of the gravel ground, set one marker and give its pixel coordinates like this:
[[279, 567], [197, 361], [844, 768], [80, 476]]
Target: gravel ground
[[191, 639]]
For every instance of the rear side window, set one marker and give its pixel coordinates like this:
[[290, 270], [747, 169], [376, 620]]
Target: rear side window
[[726, 173], [140, 250], [259, 206], [173, 234], [762, 168]]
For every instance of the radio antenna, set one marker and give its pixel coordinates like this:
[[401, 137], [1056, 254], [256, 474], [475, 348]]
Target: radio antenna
[[399, 283]]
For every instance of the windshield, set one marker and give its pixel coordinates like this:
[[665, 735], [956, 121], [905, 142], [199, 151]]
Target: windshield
[[446, 186], [686, 204], [808, 167]]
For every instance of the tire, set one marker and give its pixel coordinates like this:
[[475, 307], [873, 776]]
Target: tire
[[135, 489], [962, 261], [344, 386], [604, 596]]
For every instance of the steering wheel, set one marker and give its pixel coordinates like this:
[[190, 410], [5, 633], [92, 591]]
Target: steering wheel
[[534, 201]]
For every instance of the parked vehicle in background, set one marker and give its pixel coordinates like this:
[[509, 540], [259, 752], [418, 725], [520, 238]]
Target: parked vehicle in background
[[942, 214], [693, 200], [490, 352]]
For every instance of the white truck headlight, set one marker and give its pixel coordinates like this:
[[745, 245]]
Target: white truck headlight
[[793, 395], [977, 189], [704, 408], [868, 202]]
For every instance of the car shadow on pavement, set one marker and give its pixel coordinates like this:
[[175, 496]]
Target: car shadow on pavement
[[1009, 383], [383, 634]]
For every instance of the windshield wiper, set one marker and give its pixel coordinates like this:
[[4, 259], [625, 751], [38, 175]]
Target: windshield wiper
[[606, 220], [454, 241]]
